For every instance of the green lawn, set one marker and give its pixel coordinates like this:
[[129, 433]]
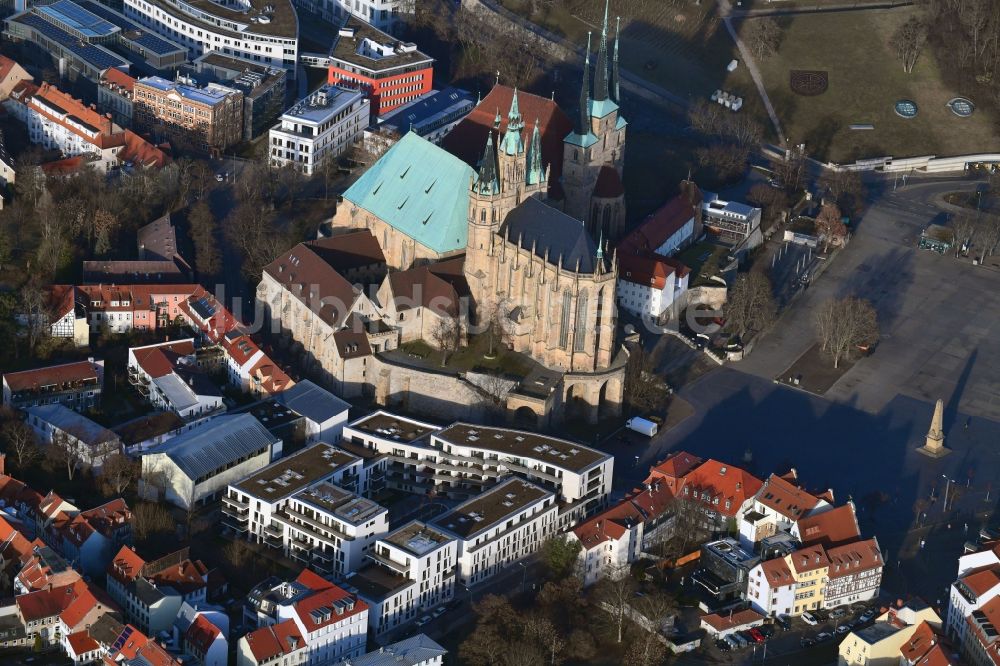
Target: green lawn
[[865, 81], [473, 358], [703, 259]]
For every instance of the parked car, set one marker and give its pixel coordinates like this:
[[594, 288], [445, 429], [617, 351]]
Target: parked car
[[733, 643], [723, 645], [220, 177], [838, 613], [740, 641], [810, 619], [424, 620], [823, 636], [784, 622], [867, 615], [842, 629], [439, 611], [767, 630], [807, 642], [756, 635]]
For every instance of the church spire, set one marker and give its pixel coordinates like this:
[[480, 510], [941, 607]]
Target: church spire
[[513, 143], [601, 75], [488, 181], [535, 172], [584, 119], [614, 63]]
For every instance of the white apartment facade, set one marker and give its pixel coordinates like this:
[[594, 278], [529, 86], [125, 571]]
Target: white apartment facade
[[499, 527], [386, 15], [463, 459], [330, 528], [649, 287], [319, 128], [247, 30], [422, 555], [731, 221], [978, 582], [771, 588], [250, 505]]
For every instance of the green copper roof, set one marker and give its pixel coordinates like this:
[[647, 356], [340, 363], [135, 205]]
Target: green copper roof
[[601, 107], [621, 123], [584, 141], [420, 189]]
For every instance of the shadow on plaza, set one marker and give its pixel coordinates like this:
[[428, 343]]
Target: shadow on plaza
[[870, 459], [884, 280]]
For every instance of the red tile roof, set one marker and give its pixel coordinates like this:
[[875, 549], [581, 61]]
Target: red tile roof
[[120, 78], [313, 580], [6, 65], [777, 573], [81, 643], [658, 227], [325, 599], [833, 527], [722, 622], [31, 380], [52, 602], [186, 576], [272, 641], [649, 270], [982, 580], [127, 565], [108, 134], [201, 634], [159, 360], [673, 469], [808, 559], [714, 480], [467, 139], [924, 647], [269, 377], [108, 517], [786, 498], [432, 286], [991, 611]]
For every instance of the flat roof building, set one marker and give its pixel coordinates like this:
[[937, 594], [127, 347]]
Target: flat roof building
[[263, 88], [432, 115], [205, 119], [319, 128]]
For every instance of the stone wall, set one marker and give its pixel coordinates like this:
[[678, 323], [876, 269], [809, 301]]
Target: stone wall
[[420, 391]]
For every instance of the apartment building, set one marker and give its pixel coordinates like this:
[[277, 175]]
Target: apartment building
[[320, 128], [205, 119], [76, 385], [977, 583], [731, 222], [778, 506], [499, 527], [168, 375], [810, 567], [412, 571], [330, 622], [855, 573], [263, 88], [58, 121], [114, 96], [386, 15], [250, 504], [264, 32], [888, 640], [391, 73], [461, 460], [151, 593], [86, 441]]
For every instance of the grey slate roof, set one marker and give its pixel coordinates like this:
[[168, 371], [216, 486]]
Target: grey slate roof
[[77, 425], [407, 652], [215, 443], [315, 403], [547, 228]]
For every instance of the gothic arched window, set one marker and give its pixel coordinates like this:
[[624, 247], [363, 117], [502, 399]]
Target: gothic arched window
[[580, 331], [564, 320]]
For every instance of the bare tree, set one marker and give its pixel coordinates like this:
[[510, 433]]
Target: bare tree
[[908, 41], [19, 442], [150, 520], [614, 593], [548, 636], [791, 171], [447, 335], [843, 325], [119, 472], [763, 36], [65, 452], [644, 390], [988, 234], [750, 304], [34, 306], [207, 258], [829, 224], [774, 202], [964, 228], [496, 326]]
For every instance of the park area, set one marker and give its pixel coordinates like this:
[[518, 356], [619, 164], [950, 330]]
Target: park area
[[865, 80]]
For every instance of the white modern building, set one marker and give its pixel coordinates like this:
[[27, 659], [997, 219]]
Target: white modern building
[[412, 571], [320, 127], [167, 375], [193, 467], [649, 286], [386, 15], [731, 222], [264, 31], [416, 650], [977, 583], [325, 414], [330, 528], [463, 459], [771, 588], [499, 527], [250, 504]]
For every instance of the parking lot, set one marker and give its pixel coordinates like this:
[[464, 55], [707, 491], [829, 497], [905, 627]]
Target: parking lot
[[806, 643]]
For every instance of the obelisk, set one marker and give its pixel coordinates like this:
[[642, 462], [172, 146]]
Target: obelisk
[[934, 445]]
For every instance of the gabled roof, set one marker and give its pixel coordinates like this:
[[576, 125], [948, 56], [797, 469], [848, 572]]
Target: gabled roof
[[413, 651], [108, 517], [830, 528], [126, 566], [118, 77], [551, 233], [924, 648], [355, 249], [320, 609], [420, 190], [724, 621], [430, 286], [777, 573], [852, 558], [787, 499], [808, 558], [159, 360], [719, 480], [672, 469], [201, 634], [467, 138], [982, 580], [315, 403], [651, 270], [659, 226], [81, 642], [33, 380], [275, 640], [317, 284]]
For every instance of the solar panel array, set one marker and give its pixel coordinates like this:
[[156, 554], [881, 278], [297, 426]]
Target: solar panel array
[[95, 56], [145, 39], [75, 17]]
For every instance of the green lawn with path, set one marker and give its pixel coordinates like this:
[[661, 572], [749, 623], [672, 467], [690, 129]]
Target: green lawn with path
[[866, 79]]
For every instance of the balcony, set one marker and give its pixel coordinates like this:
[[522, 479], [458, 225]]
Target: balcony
[[235, 526], [273, 531], [304, 523], [235, 503], [403, 569]]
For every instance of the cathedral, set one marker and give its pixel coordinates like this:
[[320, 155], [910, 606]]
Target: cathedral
[[533, 211]]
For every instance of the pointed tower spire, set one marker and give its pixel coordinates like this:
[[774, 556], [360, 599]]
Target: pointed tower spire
[[535, 173], [584, 119], [601, 75], [513, 143], [488, 181], [614, 64], [600, 247], [496, 119]]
